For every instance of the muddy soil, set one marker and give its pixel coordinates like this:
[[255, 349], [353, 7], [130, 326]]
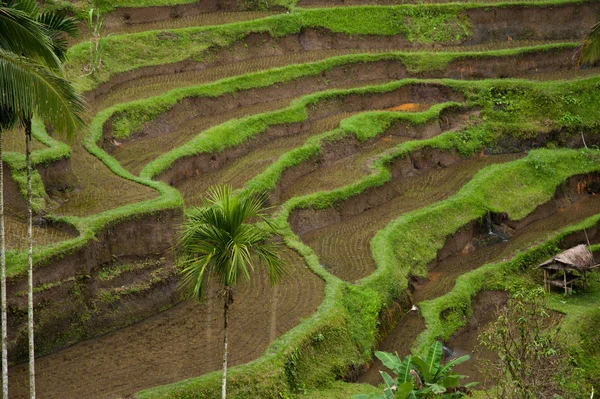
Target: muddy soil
[[260, 153], [341, 235], [260, 51], [345, 161], [485, 308], [183, 342], [461, 256], [125, 19], [202, 163]]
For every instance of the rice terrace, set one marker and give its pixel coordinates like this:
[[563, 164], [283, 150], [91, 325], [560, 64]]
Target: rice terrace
[[419, 181]]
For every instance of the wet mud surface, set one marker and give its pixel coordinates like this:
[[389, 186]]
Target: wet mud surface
[[344, 246]]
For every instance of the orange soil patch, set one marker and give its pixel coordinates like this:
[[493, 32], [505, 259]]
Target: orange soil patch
[[410, 107]]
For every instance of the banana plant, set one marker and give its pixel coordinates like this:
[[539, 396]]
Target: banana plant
[[421, 377]]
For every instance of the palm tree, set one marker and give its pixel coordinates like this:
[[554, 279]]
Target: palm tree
[[32, 45], [217, 239], [7, 120]]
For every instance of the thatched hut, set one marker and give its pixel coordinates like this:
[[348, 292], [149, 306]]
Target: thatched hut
[[567, 267]]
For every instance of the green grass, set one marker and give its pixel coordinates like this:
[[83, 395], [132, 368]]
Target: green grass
[[340, 333], [533, 108], [131, 116], [54, 151], [340, 390], [316, 352], [418, 23]]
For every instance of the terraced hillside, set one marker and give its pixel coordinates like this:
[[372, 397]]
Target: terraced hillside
[[396, 141]]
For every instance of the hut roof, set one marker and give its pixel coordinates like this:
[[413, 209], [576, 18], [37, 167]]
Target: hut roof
[[578, 258]]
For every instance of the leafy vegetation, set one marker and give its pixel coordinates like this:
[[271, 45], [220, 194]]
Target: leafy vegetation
[[421, 376], [530, 347]]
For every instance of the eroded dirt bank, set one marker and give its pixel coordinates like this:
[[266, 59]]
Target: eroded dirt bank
[[72, 305], [344, 161], [184, 342], [197, 166], [473, 246]]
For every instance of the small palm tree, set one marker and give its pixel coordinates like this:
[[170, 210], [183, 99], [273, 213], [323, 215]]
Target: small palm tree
[[218, 240]]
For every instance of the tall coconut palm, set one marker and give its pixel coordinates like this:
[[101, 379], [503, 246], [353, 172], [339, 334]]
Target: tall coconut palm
[[32, 45], [7, 120], [217, 239]]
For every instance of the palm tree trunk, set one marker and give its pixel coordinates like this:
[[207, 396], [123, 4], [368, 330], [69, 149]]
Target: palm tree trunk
[[226, 303], [3, 281], [30, 262]]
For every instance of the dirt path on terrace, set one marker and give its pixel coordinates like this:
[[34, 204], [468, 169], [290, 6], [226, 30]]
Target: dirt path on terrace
[[153, 81], [344, 248], [443, 275], [241, 170], [183, 342], [342, 172]]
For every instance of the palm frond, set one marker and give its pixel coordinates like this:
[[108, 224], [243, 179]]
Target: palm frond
[[589, 53], [193, 276], [29, 88], [219, 240], [23, 35], [267, 254], [59, 27], [28, 6]]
